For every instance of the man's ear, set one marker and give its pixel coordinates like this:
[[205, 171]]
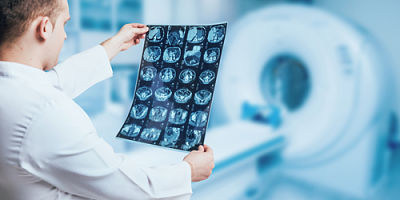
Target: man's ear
[[45, 28]]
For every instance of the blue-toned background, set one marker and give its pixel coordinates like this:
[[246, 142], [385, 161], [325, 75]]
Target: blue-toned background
[[274, 168]]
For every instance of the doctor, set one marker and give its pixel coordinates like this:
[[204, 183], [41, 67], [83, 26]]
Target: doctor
[[49, 147]]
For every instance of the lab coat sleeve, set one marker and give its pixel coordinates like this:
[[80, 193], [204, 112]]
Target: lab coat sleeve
[[66, 152], [81, 71]]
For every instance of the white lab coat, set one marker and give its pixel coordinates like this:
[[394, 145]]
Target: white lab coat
[[50, 148]]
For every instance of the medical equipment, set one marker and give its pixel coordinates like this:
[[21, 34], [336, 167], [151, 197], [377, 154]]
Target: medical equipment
[[327, 78]]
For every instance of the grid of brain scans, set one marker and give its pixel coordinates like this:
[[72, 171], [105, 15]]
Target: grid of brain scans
[[175, 86]]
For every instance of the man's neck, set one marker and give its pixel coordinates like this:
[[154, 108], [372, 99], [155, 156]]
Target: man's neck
[[21, 53]]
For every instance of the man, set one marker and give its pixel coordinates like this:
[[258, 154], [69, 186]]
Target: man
[[48, 145]]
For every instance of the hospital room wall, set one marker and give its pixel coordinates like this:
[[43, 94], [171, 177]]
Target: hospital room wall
[[198, 11]]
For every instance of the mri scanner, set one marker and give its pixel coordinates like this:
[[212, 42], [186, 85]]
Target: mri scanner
[[331, 86]]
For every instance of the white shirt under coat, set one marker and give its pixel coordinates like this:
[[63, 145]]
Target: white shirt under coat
[[50, 149]]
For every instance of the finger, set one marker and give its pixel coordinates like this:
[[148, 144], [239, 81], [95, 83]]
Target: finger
[[131, 42], [137, 41], [137, 25], [200, 149], [140, 31], [141, 36]]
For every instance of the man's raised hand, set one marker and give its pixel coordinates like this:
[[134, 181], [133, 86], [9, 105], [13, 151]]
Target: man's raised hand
[[128, 36]]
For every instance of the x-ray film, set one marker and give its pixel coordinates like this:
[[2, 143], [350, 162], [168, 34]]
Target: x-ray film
[[175, 86]]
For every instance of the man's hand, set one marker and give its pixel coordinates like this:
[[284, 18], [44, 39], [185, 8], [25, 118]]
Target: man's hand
[[129, 35], [201, 163]]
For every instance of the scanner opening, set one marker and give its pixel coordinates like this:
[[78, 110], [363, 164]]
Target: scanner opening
[[285, 82]]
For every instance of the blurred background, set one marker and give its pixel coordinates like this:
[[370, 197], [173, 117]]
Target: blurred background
[[306, 100]]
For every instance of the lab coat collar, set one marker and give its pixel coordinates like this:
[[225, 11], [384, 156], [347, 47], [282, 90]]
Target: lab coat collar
[[24, 72]]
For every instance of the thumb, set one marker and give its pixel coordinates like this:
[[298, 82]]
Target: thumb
[[201, 149]]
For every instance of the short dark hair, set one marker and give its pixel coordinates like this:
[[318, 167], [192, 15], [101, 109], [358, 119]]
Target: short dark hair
[[17, 15]]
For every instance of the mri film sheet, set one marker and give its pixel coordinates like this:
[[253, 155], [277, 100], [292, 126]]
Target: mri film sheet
[[175, 86]]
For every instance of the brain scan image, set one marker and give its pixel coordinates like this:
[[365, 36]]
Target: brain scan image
[[178, 116], [187, 76], [172, 54], [207, 76], [150, 134], [175, 86], [156, 34], [152, 54], [182, 95], [158, 114], [148, 73], [131, 130], [163, 93], [167, 75], [196, 34], [171, 136], [175, 36], [211, 55], [216, 34], [139, 111], [143, 93], [192, 138], [202, 97], [198, 119], [192, 56]]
